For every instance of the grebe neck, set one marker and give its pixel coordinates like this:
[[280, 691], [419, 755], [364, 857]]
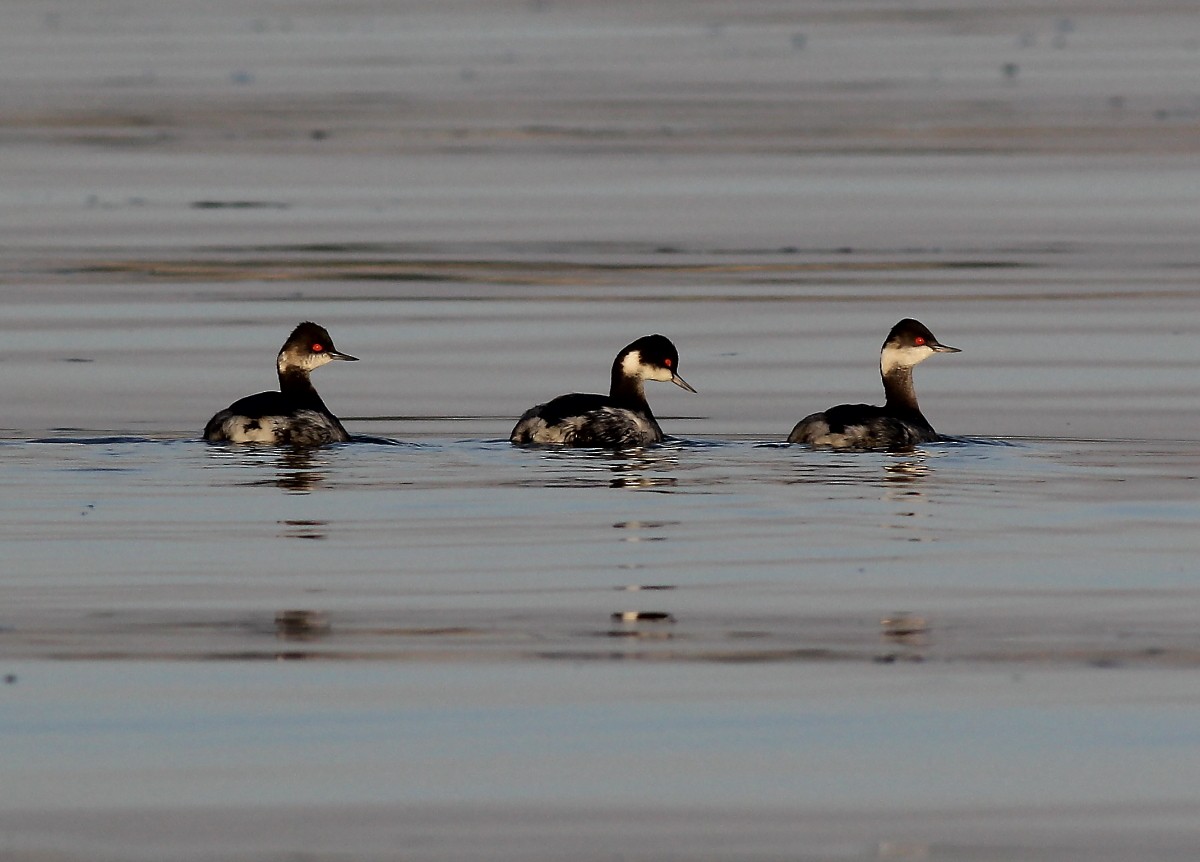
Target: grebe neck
[[901, 396]]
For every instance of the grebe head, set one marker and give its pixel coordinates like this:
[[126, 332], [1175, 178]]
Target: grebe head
[[652, 357], [308, 348], [909, 342]]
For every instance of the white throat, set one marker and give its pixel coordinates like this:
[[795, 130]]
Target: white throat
[[893, 357], [306, 361]]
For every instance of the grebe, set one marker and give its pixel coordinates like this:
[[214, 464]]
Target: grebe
[[898, 424], [295, 414], [618, 420]]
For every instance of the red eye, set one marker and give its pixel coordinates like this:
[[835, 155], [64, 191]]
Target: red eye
[[667, 362], [919, 340], [317, 348]]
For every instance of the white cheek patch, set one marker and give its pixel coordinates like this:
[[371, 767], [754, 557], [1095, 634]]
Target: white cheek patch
[[634, 366], [316, 360], [631, 365], [902, 357], [305, 360]]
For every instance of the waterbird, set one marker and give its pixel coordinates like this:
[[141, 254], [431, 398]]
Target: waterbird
[[295, 415], [621, 419], [899, 423]]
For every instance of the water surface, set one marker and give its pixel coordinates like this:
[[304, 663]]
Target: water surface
[[425, 644]]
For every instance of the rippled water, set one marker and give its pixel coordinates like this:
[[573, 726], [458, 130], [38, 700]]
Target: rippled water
[[573, 649], [426, 644], [135, 547]]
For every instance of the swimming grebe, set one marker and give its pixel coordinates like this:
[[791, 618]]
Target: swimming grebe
[[295, 414], [617, 420], [898, 424]]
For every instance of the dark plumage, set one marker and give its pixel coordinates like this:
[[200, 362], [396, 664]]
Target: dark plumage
[[295, 414], [899, 423], [620, 419]]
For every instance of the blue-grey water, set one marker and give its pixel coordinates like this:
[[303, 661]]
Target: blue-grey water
[[426, 644]]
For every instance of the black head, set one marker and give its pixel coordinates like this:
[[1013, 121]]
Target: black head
[[652, 357], [910, 342], [308, 347]]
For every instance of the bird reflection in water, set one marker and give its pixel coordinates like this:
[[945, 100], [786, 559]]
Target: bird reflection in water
[[910, 471], [902, 481], [860, 469], [635, 471], [644, 531], [304, 529], [295, 471], [302, 625], [904, 636]]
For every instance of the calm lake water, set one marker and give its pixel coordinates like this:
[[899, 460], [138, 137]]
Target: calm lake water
[[426, 644]]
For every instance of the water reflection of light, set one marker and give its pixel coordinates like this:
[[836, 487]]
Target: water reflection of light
[[296, 470], [301, 625], [304, 529], [905, 627], [902, 481], [640, 529], [636, 469], [637, 482], [906, 472]]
